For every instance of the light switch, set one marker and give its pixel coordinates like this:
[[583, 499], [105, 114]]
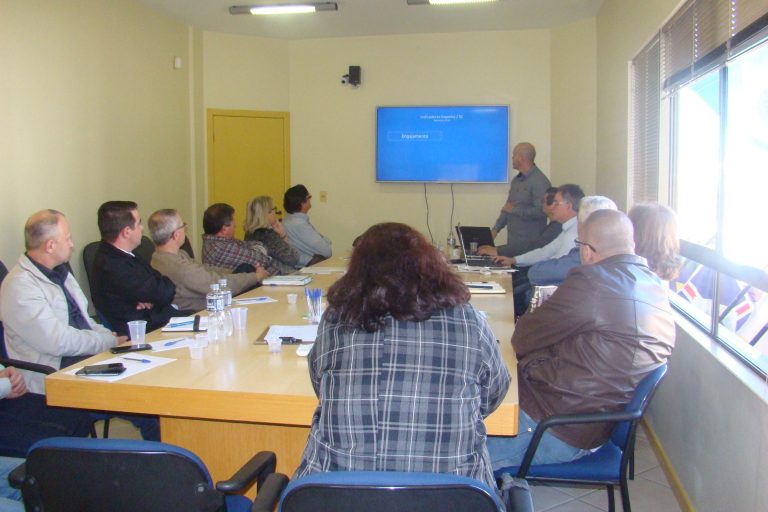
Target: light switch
[[323, 196]]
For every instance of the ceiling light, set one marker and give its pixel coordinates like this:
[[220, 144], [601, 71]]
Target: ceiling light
[[447, 2], [283, 8]]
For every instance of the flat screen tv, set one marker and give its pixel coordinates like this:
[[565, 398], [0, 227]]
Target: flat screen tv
[[449, 144]]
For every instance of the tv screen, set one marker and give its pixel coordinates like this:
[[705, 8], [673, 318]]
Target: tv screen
[[450, 144]]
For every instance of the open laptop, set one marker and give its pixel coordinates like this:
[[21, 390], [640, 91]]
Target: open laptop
[[482, 236]]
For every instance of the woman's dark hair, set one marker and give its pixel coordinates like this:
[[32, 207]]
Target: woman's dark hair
[[394, 271]]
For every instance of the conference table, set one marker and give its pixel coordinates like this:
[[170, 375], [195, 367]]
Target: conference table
[[239, 398]]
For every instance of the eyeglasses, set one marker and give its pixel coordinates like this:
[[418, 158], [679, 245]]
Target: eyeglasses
[[585, 244], [557, 203], [180, 227], [275, 210]]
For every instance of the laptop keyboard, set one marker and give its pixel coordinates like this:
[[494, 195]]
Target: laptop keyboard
[[483, 261]]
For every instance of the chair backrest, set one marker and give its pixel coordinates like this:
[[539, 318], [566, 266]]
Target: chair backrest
[[146, 249], [644, 391], [67, 474], [89, 256], [380, 491], [187, 247], [3, 352]]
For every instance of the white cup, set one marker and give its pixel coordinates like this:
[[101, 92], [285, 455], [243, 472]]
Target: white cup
[[275, 346], [239, 317], [201, 340], [137, 329], [291, 298], [195, 351], [473, 248]]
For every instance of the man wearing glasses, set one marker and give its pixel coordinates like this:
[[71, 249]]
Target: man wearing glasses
[[587, 347], [302, 235], [192, 280], [125, 287]]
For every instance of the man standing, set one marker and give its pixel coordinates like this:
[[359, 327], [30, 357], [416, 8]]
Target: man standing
[[125, 286], [222, 249], [588, 346], [302, 235], [522, 214], [192, 279], [43, 309]]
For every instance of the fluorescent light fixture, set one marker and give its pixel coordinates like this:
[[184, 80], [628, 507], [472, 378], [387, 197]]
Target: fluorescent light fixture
[[447, 2], [283, 8]]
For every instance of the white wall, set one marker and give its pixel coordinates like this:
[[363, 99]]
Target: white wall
[[92, 110]]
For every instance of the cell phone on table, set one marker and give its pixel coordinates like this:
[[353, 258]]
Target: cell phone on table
[[131, 348], [102, 369]]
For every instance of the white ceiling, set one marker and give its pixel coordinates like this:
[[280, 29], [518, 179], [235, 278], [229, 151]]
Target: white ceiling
[[377, 17]]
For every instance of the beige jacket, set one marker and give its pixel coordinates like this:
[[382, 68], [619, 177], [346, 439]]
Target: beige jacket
[[193, 280], [36, 319]]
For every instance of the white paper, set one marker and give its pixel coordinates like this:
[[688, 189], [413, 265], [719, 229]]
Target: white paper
[[254, 300], [131, 367], [172, 344], [188, 324], [302, 332], [323, 270]]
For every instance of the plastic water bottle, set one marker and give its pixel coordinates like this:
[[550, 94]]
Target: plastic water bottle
[[226, 295], [214, 304]]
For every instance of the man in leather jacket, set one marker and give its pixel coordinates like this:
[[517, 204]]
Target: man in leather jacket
[[606, 327]]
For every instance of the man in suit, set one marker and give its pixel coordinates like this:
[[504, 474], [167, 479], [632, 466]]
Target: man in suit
[[125, 286]]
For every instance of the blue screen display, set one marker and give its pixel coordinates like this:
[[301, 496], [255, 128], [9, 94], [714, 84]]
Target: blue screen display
[[464, 144]]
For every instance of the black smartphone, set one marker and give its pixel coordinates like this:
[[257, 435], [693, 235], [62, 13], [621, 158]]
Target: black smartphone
[[102, 369], [130, 348]]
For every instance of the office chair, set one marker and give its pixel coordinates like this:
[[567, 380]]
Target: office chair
[[382, 491], [607, 465], [64, 474]]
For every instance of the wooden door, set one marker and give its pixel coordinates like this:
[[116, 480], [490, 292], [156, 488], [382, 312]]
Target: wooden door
[[248, 156]]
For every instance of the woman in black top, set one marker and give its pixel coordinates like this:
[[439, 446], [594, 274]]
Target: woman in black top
[[262, 225]]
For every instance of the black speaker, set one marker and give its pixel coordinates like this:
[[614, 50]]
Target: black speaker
[[354, 75]]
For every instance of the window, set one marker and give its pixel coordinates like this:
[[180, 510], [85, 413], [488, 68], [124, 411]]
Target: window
[[710, 62]]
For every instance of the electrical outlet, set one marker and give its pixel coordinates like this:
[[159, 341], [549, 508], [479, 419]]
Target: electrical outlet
[[323, 196]]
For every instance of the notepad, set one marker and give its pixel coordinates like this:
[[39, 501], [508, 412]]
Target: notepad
[[485, 287], [131, 367], [186, 324], [289, 280], [305, 333]]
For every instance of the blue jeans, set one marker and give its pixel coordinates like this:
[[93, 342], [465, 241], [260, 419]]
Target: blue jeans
[[9, 497], [509, 451]]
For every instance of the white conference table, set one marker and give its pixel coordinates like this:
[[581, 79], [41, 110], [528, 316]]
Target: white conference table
[[239, 399]]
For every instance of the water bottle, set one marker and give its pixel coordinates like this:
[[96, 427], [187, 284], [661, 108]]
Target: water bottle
[[215, 325], [226, 295]]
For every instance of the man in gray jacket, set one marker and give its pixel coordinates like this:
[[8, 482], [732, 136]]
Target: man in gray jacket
[[42, 307], [587, 347]]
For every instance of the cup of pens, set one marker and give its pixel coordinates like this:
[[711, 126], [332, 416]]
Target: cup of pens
[[314, 304]]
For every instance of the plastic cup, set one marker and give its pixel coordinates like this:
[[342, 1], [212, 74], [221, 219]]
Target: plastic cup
[[239, 317], [196, 351], [473, 247], [275, 346], [201, 340], [137, 329], [291, 298]]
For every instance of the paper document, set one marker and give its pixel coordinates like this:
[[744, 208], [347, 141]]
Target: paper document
[[172, 344], [254, 300], [323, 270], [134, 362], [485, 287], [289, 280], [186, 324], [304, 333]]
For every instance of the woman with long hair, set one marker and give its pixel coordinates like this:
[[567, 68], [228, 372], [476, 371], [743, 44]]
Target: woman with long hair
[[656, 238], [404, 367], [262, 225]]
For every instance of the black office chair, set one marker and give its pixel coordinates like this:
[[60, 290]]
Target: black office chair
[[382, 491], [64, 474], [606, 466]]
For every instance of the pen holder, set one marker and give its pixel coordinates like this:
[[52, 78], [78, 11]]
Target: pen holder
[[314, 304]]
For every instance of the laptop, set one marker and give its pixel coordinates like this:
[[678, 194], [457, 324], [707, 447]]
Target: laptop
[[481, 235]]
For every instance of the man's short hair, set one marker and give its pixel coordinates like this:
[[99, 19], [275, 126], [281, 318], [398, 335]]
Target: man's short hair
[[216, 217], [571, 194], [113, 216], [549, 195], [526, 151], [589, 204], [43, 228], [294, 197], [162, 224]]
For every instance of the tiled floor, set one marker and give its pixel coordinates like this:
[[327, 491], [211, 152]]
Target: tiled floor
[[648, 492]]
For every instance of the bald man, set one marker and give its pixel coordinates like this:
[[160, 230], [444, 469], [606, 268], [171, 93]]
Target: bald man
[[42, 307], [522, 214], [586, 348]]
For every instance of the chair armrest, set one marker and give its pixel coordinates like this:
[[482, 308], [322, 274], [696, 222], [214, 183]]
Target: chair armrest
[[17, 476], [24, 365], [570, 419], [270, 493], [258, 468]]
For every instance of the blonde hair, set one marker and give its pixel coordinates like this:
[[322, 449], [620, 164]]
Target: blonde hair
[[656, 238], [257, 214]]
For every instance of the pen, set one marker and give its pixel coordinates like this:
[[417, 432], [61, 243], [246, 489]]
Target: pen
[[136, 359], [171, 343], [181, 324]]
